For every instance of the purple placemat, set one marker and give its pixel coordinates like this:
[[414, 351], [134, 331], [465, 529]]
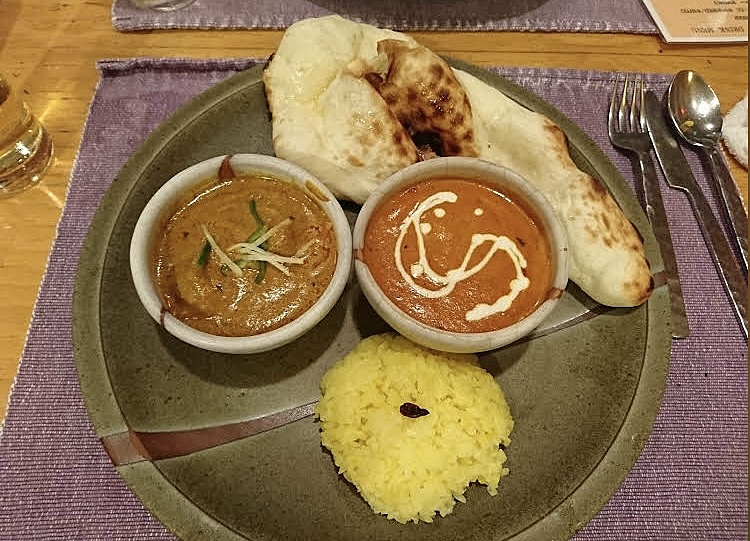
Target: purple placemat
[[56, 481], [546, 15]]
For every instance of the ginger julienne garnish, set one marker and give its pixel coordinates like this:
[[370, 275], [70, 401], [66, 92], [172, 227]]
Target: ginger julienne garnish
[[253, 253]]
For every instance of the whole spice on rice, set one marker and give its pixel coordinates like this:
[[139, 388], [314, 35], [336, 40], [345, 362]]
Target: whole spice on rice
[[408, 409]]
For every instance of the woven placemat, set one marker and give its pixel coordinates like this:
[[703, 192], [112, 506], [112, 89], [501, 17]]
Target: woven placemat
[[56, 481], [544, 15]]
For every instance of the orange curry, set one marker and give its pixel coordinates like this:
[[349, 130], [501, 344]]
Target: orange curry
[[459, 255]]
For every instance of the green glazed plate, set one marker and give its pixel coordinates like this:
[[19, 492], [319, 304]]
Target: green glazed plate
[[583, 395]]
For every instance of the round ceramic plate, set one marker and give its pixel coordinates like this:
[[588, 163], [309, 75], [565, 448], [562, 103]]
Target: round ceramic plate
[[584, 390]]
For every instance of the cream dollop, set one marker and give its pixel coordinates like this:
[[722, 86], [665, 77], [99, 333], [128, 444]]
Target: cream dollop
[[448, 281]]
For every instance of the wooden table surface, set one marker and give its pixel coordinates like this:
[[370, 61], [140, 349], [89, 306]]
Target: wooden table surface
[[49, 50]]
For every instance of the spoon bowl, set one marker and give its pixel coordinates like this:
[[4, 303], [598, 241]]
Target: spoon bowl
[[695, 109], [696, 114]]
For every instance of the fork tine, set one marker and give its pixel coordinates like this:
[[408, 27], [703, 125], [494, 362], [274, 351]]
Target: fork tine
[[612, 108], [641, 108], [637, 116], [634, 124], [622, 114], [615, 104]]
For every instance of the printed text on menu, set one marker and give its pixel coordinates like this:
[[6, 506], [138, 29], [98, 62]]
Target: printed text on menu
[[700, 20]]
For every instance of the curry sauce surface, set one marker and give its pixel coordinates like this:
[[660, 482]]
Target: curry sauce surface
[[209, 298], [447, 231]]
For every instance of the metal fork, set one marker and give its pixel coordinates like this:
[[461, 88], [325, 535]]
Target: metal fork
[[627, 130]]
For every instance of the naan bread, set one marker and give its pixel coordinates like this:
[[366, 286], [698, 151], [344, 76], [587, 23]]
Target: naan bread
[[327, 118], [353, 104]]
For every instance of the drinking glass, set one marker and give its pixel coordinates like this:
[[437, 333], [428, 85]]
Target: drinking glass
[[25, 146], [162, 5]]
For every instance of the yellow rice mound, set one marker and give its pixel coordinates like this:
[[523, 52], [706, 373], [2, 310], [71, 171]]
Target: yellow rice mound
[[409, 468]]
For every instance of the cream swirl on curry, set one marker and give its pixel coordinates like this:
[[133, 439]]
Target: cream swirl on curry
[[452, 277]]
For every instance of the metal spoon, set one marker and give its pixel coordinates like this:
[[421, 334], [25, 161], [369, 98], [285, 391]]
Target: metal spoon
[[696, 113]]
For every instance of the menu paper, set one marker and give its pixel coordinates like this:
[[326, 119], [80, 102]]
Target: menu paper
[[700, 20]]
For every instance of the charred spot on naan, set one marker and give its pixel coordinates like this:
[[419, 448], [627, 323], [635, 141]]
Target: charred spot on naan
[[423, 93], [269, 101], [371, 135], [558, 143], [639, 291], [267, 88], [268, 61], [377, 128], [611, 224]]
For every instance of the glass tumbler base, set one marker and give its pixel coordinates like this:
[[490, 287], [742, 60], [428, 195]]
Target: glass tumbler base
[[24, 159]]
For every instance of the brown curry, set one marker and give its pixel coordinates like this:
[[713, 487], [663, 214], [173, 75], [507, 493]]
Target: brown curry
[[234, 285]]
